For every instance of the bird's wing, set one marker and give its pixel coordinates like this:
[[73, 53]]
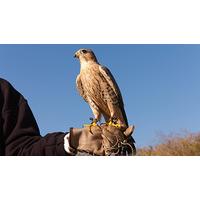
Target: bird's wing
[[113, 84], [79, 87], [111, 81]]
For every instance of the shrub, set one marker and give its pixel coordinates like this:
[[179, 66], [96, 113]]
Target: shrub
[[188, 145]]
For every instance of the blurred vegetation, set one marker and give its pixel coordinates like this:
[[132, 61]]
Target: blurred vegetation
[[188, 145]]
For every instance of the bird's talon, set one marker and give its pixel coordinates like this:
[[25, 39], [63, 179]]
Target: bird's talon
[[93, 124]]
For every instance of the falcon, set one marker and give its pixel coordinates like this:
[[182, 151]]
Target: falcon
[[99, 89]]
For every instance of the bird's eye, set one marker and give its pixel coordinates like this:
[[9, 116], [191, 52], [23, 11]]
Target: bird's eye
[[84, 51]]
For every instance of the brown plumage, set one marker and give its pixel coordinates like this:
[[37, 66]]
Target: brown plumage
[[99, 89]]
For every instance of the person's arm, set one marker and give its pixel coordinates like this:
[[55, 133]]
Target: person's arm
[[20, 133]]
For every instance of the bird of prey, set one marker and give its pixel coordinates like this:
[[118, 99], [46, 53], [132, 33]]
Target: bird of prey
[[99, 89]]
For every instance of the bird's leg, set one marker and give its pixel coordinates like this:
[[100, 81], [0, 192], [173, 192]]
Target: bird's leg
[[93, 122], [97, 115]]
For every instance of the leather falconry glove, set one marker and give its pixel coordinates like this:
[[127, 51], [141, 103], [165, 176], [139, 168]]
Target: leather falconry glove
[[102, 140]]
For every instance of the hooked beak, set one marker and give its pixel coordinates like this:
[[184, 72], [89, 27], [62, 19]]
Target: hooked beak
[[75, 55]]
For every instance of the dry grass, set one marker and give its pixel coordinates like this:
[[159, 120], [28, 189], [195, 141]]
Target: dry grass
[[174, 146]]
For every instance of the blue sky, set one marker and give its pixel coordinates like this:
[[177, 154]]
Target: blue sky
[[159, 84]]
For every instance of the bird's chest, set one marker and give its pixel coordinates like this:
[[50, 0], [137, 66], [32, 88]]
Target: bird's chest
[[91, 81]]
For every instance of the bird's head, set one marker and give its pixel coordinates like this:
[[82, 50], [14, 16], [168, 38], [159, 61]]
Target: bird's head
[[85, 55]]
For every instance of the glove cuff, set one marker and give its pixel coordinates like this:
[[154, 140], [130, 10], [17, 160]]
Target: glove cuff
[[70, 150]]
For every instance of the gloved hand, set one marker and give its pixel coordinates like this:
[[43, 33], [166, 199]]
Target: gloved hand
[[102, 140], [87, 140]]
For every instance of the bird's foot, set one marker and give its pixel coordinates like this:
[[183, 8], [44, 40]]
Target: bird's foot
[[113, 122], [93, 123]]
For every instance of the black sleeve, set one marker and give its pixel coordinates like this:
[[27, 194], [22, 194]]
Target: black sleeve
[[19, 131]]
